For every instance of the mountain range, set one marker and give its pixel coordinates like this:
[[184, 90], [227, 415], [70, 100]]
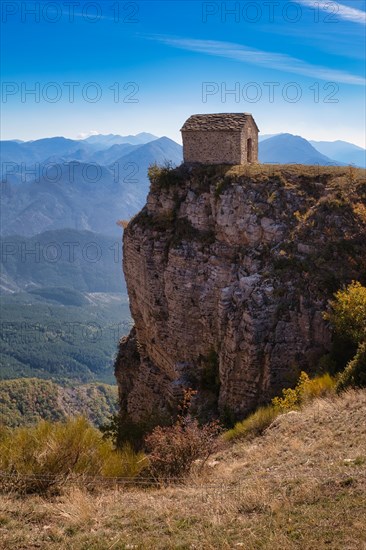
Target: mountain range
[[114, 139], [342, 151], [48, 149], [289, 149], [76, 185], [57, 183], [271, 146]]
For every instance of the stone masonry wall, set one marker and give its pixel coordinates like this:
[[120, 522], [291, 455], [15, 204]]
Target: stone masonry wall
[[212, 147]]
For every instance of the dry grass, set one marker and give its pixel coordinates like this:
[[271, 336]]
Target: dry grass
[[305, 391], [352, 174], [254, 424], [41, 457], [302, 485]]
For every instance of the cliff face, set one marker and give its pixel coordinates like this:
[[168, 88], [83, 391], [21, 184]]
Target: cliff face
[[228, 273]]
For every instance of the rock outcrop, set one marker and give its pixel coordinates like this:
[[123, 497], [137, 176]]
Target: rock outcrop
[[228, 272]]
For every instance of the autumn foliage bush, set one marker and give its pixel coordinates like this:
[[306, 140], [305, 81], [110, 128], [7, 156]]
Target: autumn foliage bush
[[347, 316], [174, 449], [354, 374], [291, 399], [305, 390]]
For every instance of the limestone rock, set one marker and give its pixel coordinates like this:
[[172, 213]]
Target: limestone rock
[[221, 281]]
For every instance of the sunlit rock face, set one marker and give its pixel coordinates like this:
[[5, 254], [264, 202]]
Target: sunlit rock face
[[228, 271]]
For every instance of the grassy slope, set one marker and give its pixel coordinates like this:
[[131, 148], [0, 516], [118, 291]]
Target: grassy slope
[[300, 486]]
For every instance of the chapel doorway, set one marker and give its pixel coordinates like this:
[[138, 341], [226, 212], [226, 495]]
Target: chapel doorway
[[250, 150]]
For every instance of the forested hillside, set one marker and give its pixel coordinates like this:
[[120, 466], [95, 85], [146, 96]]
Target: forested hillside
[[43, 337], [29, 400]]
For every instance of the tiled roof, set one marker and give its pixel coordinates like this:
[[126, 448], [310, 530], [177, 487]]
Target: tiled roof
[[217, 121]]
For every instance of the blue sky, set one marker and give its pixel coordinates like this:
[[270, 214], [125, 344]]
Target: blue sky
[[299, 67]]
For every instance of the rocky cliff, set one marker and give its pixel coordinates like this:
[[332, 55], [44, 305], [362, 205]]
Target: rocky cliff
[[228, 272]]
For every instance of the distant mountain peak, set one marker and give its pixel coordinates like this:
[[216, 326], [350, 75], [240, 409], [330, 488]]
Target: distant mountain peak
[[342, 151], [115, 139], [292, 149]]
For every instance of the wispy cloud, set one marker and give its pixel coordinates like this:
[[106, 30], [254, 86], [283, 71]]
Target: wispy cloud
[[271, 60], [340, 10]]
